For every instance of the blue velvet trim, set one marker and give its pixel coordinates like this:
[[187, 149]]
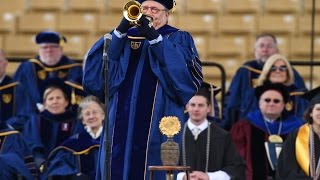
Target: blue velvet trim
[[142, 122], [81, 142], [288, 124], [121, 122]]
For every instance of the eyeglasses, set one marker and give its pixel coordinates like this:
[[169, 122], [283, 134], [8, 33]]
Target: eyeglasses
[[154, 10], [281, 68], [275, 101], [49, 46], [268, 46]]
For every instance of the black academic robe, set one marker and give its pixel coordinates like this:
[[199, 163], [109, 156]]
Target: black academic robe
[[222, 156], [46, 131], [289, 166]]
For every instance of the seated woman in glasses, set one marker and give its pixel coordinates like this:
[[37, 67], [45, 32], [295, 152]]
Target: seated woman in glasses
[[277, 69], [77, 157], [260, 134]]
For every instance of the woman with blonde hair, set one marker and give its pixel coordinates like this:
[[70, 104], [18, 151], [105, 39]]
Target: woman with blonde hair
[[286, 77], [277, 69]]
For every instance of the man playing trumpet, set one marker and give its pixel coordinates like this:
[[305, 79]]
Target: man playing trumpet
[[154, 70]]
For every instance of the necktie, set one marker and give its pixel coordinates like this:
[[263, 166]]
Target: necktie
[[196, 132]]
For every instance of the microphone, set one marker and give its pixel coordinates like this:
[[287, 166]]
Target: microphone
[[107, 39]]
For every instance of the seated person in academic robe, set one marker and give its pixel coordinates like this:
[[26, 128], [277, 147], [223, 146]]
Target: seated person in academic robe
[[214, 115], [299, 158], [246, 77], [15, 103], [209, 151], [78, 155], [49, 63], [268, 124], [16, 159], [276, 69], [55, 124]]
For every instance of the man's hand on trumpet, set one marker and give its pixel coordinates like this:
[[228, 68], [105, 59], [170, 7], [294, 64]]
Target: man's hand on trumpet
[[146, 28], [124, 26]]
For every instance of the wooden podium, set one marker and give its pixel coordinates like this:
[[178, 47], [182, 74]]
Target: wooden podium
[[169, 171]]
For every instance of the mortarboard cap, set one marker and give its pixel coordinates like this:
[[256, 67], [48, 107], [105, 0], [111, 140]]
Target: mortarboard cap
[[313, 96], [281, 88], [209, 91], [169, 4], [50, 37]]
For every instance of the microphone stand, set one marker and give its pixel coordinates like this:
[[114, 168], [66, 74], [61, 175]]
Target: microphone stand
[[312, 41], [105, 57]]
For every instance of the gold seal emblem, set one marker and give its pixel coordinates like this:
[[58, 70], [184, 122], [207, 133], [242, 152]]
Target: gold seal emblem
[[170, 126], [42, 74], [275, 139], [6, 98], [135, 45], [289, 106]]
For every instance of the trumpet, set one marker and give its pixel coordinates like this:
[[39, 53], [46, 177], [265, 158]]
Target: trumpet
[[132, 11]]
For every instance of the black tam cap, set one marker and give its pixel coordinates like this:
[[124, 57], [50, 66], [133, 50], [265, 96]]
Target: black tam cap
[[169, 4], [313, 96], [50, 37], [57, 83], [281, 88]]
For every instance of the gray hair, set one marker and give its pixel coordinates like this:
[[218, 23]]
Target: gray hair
[[85, 103]]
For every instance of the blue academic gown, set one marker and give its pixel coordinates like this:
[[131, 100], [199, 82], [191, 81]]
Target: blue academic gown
[[33, 74], [15, 156], [245, 79], [298, 104], [79, 154], [46, 131], [15, 103], [147, 82]]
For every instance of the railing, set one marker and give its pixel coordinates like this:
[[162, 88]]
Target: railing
[[222, 71]]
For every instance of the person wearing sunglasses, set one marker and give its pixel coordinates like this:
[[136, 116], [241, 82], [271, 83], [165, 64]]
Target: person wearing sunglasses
[[246, 77], [277, 69], [154, 69], [266, 125]]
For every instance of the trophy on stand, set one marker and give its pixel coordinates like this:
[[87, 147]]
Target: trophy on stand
[[170, 126]]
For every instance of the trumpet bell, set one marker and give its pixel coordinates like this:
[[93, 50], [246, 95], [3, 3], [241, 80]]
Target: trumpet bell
[[132, 11]]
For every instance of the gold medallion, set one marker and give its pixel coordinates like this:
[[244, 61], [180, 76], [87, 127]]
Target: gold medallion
[[289, 106], [275, 139], [169, 126]]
